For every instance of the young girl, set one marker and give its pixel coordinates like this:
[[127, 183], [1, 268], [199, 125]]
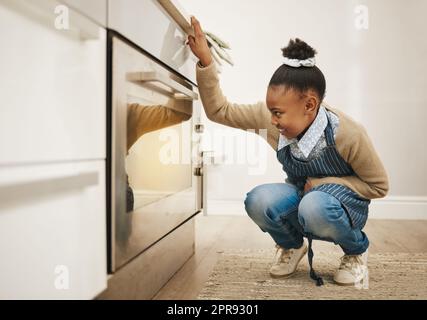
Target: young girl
[[332, 167]]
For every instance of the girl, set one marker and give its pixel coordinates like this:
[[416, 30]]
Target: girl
[[332, 167]]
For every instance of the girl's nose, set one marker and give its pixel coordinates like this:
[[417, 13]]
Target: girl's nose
[[273, 121]]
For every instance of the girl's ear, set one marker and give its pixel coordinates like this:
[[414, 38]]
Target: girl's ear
[[311, 103]]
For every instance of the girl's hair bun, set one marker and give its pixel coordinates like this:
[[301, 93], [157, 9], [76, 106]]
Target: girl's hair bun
[[298, 49]]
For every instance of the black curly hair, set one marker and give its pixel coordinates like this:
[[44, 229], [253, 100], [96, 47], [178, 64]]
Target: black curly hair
[[301, 78]]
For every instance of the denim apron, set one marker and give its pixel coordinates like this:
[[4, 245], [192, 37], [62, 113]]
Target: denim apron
[[328, 163]]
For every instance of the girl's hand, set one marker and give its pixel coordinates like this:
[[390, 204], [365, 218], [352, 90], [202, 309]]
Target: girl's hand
[[307, 186], [199, 44]]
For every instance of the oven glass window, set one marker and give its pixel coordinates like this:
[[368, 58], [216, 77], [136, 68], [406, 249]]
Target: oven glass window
[[158, 160]]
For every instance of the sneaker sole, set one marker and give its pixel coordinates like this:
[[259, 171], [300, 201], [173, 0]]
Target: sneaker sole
[[276, 276], [344, 284]]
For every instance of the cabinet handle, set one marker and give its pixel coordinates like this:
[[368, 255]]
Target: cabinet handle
[[154, 76], [72, 181], [17, 193], [178, 14]]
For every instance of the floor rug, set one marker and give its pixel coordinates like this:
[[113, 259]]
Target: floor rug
[[243, 275]]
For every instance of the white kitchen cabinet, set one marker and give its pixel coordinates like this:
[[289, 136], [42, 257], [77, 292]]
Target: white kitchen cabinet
[[53, 231], [147, 24], [95, 9], [53, 85], [53, 150]]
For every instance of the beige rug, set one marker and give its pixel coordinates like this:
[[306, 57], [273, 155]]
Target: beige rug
[[243, 275]]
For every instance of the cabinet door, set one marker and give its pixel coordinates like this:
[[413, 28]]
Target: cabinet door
[[146, 23], [95, 9], [53, 84], [53, 231]]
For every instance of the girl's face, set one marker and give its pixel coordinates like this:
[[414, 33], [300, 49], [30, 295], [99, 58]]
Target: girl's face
[[292, 112]]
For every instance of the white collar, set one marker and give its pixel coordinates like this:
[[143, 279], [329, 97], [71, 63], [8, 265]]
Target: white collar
[[312, 135]]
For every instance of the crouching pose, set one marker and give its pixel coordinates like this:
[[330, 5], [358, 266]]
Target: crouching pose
[[332, 167]]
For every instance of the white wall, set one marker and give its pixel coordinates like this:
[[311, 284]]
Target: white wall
[[376, 75]]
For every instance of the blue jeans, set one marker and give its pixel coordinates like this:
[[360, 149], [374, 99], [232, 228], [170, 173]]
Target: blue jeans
[[278, 209]]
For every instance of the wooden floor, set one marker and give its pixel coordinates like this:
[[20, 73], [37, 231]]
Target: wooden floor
[[217, 233]]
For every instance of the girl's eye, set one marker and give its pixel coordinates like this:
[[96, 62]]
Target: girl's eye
[[277, 113]]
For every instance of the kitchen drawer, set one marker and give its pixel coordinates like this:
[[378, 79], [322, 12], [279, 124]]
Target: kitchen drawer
[[147, 24], [95, 9], [53, 82], [53, 231]]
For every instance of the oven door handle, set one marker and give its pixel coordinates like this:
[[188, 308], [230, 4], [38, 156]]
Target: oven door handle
[[154, 76]]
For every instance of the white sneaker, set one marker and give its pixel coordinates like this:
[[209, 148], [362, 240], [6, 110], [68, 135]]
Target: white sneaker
[[353, 271], [286, 261]]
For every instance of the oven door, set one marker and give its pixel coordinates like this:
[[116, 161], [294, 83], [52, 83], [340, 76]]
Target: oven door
[[152, 183]]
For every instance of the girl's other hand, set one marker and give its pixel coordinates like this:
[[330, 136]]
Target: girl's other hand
[[199, 44], [307, 186]]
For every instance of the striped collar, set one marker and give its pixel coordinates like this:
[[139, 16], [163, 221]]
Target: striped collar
[[312, 135]]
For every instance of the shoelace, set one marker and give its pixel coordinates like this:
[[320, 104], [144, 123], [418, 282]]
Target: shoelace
[[350, 262], [285, 255]]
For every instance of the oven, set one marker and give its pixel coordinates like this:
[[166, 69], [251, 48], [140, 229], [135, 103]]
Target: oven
[[152, 151]]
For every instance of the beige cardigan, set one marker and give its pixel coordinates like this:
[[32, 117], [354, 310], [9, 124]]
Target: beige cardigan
[[352, 140]]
